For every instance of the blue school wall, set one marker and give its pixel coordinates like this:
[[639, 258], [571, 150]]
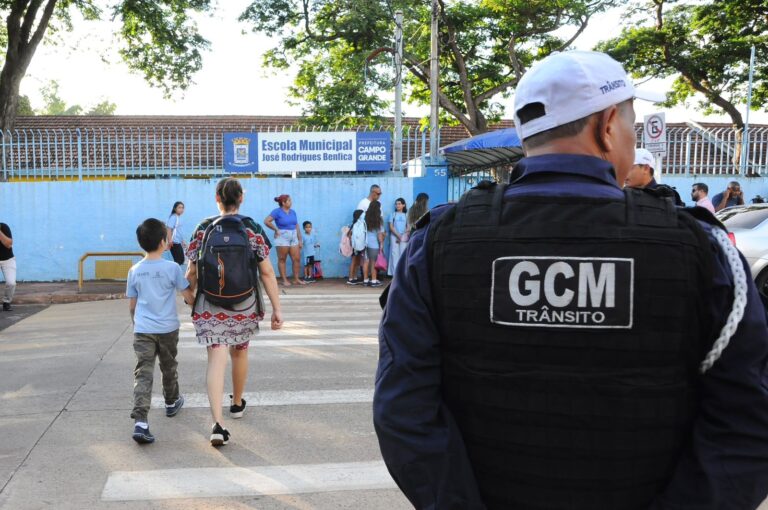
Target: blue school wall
[[55, 223]]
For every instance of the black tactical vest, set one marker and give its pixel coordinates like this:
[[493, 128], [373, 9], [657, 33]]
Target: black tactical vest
[[570, 334]]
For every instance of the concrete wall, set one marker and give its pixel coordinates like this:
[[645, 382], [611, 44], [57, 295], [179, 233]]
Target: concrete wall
[[54, 223]]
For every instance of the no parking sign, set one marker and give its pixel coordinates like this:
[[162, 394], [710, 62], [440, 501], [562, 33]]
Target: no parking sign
[[655, 133]]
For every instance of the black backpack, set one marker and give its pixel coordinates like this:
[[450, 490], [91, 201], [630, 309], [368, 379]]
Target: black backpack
[[227, 272]]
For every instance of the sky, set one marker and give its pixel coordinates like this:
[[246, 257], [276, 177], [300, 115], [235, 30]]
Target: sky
[[232, 81]]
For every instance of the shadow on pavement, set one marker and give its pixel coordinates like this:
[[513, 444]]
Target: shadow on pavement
[[19, 313]]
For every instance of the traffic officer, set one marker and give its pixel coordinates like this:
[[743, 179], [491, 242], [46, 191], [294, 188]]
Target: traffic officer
[[640, 175], [559, 343]]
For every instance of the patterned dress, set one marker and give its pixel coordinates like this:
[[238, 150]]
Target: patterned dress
[[218, 326]]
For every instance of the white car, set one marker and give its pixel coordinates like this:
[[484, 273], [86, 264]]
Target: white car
[[748, 228]]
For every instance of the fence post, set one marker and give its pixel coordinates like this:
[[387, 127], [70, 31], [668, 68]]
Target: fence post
[[79, 155]]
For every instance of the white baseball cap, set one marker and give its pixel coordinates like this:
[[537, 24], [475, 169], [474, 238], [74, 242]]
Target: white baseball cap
[[644, 157], [572, 85]]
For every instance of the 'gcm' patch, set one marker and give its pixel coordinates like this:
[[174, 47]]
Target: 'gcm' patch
[[563, 292]]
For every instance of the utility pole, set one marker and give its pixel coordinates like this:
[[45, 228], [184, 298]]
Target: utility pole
[[434, 70], [398, 152], [745, 139]]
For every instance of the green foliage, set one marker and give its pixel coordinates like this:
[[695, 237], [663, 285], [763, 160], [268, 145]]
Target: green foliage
[[329, 40], [161, 41], [105, 107], [53, 104], [25, 106], [705, 45]]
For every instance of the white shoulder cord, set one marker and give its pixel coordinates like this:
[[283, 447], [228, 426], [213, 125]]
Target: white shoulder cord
[[740, 287]]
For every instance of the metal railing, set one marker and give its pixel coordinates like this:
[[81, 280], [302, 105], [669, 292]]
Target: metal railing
[[197, 152], [144, 152], [699, 150], [110, 256]]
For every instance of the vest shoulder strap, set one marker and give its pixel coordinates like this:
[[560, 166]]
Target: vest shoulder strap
[[649, 207], [703, 215], [481, 205]]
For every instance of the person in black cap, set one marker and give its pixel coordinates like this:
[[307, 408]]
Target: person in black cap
[[561, 343]]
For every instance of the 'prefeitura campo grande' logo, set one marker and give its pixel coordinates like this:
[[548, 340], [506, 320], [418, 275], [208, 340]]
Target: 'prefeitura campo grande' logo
[[563, 292]]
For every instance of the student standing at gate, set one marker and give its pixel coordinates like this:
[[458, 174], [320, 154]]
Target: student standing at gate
[[218, 325], [398, 233]]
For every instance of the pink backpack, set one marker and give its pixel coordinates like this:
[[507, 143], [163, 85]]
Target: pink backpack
[[345, 245]]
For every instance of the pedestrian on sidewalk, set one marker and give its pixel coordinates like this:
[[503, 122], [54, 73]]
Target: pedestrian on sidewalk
[[175, 235], [220, 326], [374, 243], [7, 265], [285, 223], [398, 233], [152, 286], [732, 196], [699, 192], [374, 195]]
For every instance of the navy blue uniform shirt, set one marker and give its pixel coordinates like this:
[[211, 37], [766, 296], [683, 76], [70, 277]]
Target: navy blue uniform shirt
[[725, 463]]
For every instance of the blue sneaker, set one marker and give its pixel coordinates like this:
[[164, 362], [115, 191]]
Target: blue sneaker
[[142, 435], [173, 409]]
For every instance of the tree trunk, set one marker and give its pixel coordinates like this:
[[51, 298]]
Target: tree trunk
[[22, 43], [10, 80]]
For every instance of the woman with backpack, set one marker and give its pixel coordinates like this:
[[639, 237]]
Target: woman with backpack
[[374, 243], [285, 223], [228, 256]]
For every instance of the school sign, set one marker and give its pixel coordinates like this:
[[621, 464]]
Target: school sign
[[284, 153]]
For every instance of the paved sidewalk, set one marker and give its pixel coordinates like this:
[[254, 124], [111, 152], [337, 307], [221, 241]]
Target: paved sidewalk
[[45, 293]]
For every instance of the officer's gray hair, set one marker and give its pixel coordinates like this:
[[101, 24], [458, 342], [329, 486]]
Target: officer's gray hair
[[566, 130]]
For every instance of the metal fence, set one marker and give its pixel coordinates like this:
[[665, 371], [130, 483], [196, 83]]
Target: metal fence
[[697, 150], [197, 152], [143, 152]]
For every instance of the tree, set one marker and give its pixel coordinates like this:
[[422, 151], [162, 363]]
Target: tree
[[485, 46], [55, 105], [159, 40], [706, 45]]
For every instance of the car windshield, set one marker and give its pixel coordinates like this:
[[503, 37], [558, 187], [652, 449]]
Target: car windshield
[[743, 217]]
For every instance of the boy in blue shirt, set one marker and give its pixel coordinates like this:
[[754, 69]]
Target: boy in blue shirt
[[152, 286], [310, 244]]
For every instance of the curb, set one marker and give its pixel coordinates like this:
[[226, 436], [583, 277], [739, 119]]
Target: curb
[[60, 299]]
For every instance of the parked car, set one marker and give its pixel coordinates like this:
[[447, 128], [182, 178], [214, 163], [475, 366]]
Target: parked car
[[748, 229]]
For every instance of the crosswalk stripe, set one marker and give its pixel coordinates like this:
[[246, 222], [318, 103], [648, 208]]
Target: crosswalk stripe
[[300, 342], [281, 398], [298, 324], [267, 334], [245, 481]]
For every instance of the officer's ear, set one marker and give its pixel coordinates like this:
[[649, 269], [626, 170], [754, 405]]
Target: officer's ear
[[611, 124]]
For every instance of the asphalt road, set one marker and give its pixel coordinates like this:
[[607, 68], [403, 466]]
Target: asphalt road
[[306, 440], [18, 313]]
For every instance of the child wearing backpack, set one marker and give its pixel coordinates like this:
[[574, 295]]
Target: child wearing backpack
[[374, 243], [151, 288], [228, 257]]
